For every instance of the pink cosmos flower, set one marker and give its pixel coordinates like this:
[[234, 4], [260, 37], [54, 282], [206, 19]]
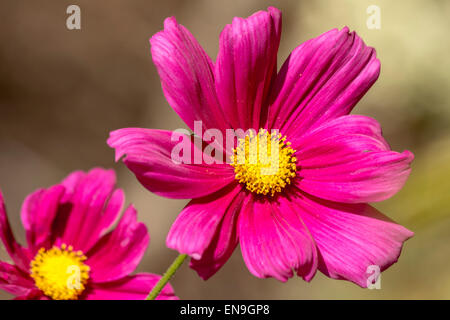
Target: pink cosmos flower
[[312, 213], [71, 253]]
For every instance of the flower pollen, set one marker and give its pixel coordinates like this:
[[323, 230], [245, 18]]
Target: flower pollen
[[263, 167], [60, 273]]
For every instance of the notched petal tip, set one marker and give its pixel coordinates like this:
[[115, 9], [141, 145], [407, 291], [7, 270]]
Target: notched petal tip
[[101, 172], [170, 22], [409, 156], [274, 11], [116, 140]]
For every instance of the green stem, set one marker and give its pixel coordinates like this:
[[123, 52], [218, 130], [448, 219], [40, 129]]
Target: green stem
[[166, 277]]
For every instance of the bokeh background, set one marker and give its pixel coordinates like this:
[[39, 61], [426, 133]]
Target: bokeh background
[[62, 91]]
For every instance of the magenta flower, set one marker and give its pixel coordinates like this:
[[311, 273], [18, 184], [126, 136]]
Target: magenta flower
[[71, 253], [312, 212]]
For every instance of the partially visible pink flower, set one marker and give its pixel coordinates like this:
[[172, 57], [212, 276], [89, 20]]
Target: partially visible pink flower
[[73, 251], [313, 213]]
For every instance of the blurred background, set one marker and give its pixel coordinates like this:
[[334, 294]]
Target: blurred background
[[62, 91]]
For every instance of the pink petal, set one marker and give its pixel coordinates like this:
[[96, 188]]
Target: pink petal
[[186, 74], [90, 206], [18, 254], [14, 280], [149, 157], [322, 79], [38, 213], [347, 160], [351, 237], [222, 245], [206, 230], [33, 294], [135, 287], [246, 66], [275, 241], [118, 253], [71, 183]]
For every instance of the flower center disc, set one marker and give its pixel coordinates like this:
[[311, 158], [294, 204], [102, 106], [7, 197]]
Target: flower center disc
[[60, 272], [264, 162]]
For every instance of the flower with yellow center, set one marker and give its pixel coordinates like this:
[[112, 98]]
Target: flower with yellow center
[[264, 162], [60, 273]]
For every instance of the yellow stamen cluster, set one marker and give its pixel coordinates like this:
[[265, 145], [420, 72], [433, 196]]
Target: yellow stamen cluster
[[60, 273], [264, 162]]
